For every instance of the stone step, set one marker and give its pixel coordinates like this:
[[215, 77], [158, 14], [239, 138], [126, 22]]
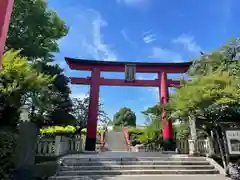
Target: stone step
[[136, 172], [115, 141], [143, 177], [106, 163], [195, 159], [133, 167]]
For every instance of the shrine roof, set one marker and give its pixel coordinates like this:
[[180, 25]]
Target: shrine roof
[[97, 62], [119, 66]]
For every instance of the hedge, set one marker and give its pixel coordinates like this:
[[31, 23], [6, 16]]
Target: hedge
[[53, 130], [134, 134]]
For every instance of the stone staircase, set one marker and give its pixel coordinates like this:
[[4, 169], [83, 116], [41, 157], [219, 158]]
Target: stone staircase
[[75, 167], [115, 141]]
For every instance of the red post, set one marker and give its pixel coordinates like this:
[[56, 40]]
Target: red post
[[167, 132], [93, 111], [102, 141], [6, 7]]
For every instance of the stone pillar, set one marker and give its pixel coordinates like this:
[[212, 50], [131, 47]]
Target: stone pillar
[[210, 147], [192, 149], [57, 145], [26, 151], [6, 7], [193, 140], [93, 111], [167, 124]]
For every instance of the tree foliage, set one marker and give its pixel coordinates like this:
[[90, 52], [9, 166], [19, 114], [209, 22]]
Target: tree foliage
[[35, 29], [124, 117], [152, 133], [21, 83], [226, 58], [182, 130], [212, 93], [80, 112]]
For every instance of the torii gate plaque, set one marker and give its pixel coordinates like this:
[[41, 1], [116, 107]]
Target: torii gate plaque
[[130, 72]]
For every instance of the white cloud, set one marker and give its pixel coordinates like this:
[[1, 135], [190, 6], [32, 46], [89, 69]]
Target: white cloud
[[165, 55], [188, 42], [125, 36], [85, 38], [135, 3], [79, 95], [149, 37]]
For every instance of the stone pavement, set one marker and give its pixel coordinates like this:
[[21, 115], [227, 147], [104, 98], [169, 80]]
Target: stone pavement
[[154, 177], [116, 154], [100, 166]]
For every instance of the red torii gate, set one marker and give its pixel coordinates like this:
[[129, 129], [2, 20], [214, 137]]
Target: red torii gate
[[95, 81], [6, 7]]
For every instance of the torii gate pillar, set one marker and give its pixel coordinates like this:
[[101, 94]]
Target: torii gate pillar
[[167, 131], [93, 111], [6, 7]]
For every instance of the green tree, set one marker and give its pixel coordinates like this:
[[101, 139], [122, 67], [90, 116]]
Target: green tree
[[80, 113], [152, 133], [21, 83], [35, 29], [59, 113], [211, 94], [226, 58], [125, 117], [209, 98], [155, 112], [182, 130]]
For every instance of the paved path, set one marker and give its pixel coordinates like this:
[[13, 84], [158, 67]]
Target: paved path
[[157, 177], [115, 154]]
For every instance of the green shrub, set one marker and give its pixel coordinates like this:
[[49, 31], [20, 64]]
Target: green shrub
[[7, 149], [134, 134], [151, 134], [85, 131], [53, 130], [182, 130]]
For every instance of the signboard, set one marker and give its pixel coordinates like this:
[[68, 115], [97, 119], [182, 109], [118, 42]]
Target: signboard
[[233, 141], [130, 72]]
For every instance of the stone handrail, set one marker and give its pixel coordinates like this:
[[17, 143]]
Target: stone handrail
[[58, 145], [201, 147], [46, 147]]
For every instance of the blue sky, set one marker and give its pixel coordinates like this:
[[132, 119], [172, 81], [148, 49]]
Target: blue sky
[[144, 31]]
